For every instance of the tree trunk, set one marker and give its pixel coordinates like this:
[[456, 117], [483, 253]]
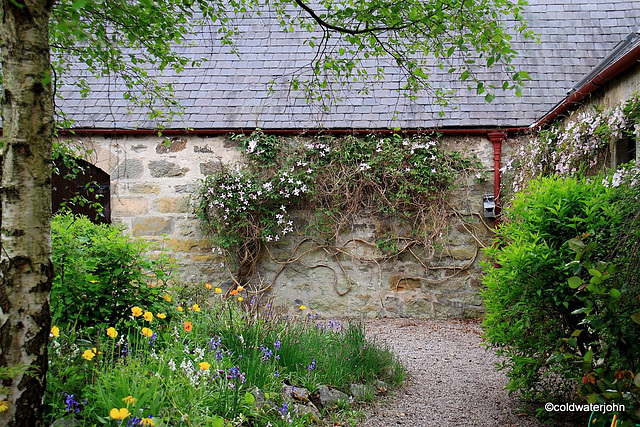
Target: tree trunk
[[25, 261]]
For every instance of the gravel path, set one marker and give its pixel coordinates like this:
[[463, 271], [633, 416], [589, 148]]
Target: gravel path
[[451, 378]]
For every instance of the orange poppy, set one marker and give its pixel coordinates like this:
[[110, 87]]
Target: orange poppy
[[188, 326], [233, 292]]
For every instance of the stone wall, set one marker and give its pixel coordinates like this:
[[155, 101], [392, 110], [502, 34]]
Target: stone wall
[[152, 179]]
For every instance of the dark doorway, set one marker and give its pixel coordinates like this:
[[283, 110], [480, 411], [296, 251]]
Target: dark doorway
[[83, 189]]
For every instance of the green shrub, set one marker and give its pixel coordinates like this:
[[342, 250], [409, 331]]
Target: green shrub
[[560, 290], [100, 273]]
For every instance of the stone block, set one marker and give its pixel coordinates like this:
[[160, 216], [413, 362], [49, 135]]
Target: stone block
[[173, 145], [462, 252], [129, 206], [393, 306], [202, 149], [171, 205], [401, 283], [151, 226], [445, 309], [473, 311], [207, 258], [185, 188], [418, 307], [329, 397], [210, 167], [128, 169], [145, 188], [165, 169], [187, 245]]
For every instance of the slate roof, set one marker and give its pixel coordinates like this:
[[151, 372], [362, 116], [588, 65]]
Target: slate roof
[[228, 92]]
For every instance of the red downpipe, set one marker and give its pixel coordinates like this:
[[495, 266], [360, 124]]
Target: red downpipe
[[497, 138]]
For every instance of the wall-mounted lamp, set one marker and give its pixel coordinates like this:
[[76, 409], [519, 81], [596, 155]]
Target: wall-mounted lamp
[[489, 203]]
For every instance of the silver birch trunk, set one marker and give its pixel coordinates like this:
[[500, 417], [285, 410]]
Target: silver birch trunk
[[25, 261]]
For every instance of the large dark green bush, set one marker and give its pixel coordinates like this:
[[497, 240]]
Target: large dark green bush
[[100, 273], [561, 290]]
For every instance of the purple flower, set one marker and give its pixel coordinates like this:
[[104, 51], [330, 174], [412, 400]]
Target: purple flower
[[312, 366], [277, 345], [284, 409], [134, 422], [267, 353], [214, 343], [72, 405], [235, 374], [153, 338]]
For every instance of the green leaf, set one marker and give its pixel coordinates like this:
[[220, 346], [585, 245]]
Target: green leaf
[[588, 357], [574, 282], [216, 421], [595, 273], [249, 398], [78, 4], [636, 317], [636, 380], [614, 293], [576, 244]]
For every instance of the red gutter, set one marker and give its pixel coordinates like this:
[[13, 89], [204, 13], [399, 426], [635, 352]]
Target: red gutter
[[625, 62], [342, 131]]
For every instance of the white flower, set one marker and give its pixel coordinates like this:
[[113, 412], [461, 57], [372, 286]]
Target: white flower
[[251, 146]]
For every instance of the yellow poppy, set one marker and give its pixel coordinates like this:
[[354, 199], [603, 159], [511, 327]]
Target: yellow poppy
[[147, 332], [240, 288], [55, 331], [119, 414], [147, 422], [129, 400], [204, 366], [112, 332], [148, 316], [180, 309], [240, 299], [161, 316], [88, 354], [136, 311], [196, 308], [218, 291], [4, 405], [167, 297], [303, 307], [208, 286]]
